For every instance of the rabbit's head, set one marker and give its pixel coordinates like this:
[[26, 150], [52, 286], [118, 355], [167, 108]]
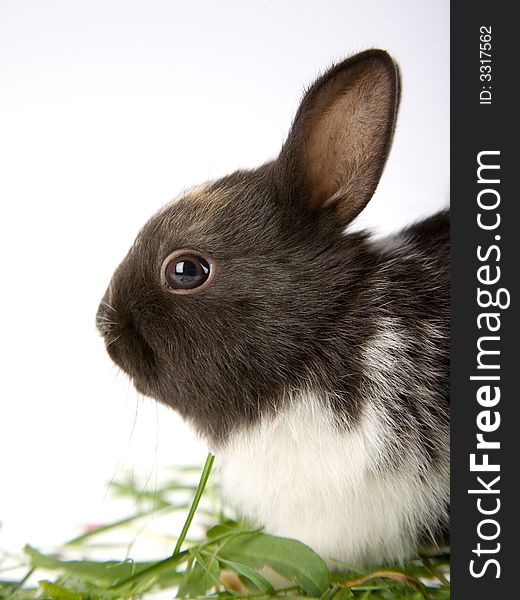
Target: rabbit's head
[[228, 295]]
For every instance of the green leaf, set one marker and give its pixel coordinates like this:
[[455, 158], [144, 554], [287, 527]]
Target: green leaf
[[100, 573], [200, 578], [289, 558], [58, 592], [220, 530], [342, 594], [259, 581], [152, 572], [212, 568]]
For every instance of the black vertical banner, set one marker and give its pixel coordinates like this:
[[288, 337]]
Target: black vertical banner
[[485, 172]]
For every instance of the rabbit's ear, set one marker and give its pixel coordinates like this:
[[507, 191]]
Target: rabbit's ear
[[341, 135]]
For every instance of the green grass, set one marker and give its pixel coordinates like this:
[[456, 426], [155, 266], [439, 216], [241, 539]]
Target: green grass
[[227, 560]]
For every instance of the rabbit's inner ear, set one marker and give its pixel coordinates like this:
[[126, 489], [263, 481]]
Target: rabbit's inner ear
[[342, 133]]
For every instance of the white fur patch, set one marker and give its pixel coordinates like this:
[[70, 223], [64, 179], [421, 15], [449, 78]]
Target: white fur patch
[[301, 476]]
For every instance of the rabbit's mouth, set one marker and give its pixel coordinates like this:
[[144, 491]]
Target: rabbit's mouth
[[129, 349]]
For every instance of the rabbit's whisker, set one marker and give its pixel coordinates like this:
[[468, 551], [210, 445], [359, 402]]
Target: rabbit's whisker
[[106, 321], [112, 341], [108, 305]]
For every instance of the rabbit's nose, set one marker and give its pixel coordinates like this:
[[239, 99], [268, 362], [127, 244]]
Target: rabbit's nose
[[105, 318]]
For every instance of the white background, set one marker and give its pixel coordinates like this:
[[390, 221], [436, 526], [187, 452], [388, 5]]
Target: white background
[[107, 111]]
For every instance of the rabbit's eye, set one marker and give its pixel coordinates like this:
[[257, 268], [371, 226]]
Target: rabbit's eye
[[185, 272]]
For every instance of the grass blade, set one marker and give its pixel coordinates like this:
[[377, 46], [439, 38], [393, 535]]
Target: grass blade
[[206, 471]]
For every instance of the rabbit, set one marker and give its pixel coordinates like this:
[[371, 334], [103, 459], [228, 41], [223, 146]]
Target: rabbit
[[313, 361]]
